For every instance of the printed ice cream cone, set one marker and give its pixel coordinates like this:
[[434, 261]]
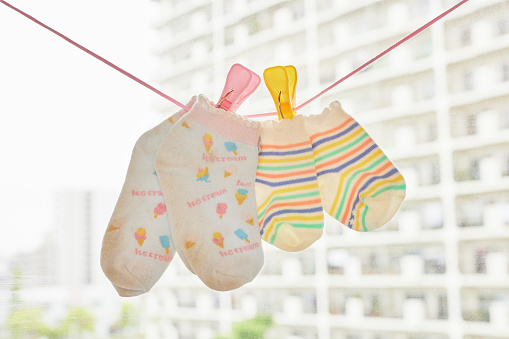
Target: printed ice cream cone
[[247, 217], [241, 195], [184, 124], [229, 170], [203, 174], [218, 239], [207, 141], [140, 236], [112, 228], [240, 198], [116, 224], [189, 244]]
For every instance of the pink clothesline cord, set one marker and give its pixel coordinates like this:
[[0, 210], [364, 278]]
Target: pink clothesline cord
[[138, 80], [124, 72]]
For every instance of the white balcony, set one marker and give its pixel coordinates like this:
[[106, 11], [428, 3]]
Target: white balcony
[[353, 268], [482, 31], [354, 309], [291, 269], [497, 264], [412, 267], [405, 138], [414, 311], [499, 314], [486, 123], [493, 216], [490, 170], [409, 222], [292, 306]]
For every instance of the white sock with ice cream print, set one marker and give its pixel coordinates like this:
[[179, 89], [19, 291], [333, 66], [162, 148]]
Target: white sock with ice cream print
[[137, 246], [207, 170]]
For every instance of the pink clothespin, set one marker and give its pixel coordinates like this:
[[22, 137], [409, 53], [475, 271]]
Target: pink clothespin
[[241, 82]]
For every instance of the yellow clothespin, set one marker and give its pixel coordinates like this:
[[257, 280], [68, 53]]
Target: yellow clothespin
[[281, 82]]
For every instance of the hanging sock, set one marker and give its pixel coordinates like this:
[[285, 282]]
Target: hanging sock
[[360, 186], [137, 246], [207, 171], [290, 212]]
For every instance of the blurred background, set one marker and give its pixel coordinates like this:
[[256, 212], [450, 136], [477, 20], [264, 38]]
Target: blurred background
[[438, 106]]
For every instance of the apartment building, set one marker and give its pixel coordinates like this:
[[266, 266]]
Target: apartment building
[[437, 105]]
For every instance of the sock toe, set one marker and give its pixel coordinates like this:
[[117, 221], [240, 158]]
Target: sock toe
[[124, 292], [380, 209], [287, 238], [224, 282]]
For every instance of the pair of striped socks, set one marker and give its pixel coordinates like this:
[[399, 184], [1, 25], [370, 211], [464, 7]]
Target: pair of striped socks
[[322, 163]]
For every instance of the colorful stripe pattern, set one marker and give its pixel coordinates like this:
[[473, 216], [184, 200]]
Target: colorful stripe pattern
[[360, 170], [290, 189]]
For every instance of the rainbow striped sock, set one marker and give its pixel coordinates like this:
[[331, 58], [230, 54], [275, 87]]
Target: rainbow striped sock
[[360, 186], [290, 213]]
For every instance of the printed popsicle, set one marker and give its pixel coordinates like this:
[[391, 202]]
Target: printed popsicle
[[159, 209], [242, 235], [231, 147], [165, 243], [221, 209]]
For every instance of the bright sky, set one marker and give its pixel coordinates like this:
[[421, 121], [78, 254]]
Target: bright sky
[[66, 119]]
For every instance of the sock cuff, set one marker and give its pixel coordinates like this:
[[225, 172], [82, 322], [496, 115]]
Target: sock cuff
[[190, 104], [284, 132], [330, 116], [225, 123]]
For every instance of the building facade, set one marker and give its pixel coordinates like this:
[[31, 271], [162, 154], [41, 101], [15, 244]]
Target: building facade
[[438, 106]]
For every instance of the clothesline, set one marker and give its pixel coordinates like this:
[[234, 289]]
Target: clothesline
[[181, 105]]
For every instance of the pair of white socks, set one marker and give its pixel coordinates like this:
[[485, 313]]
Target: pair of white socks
[[189, 189]]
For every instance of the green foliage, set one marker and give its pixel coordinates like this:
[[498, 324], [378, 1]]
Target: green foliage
[[129, 315], [77, 321], [254, 328], [16, 285], [127, 325], [26, 321]]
